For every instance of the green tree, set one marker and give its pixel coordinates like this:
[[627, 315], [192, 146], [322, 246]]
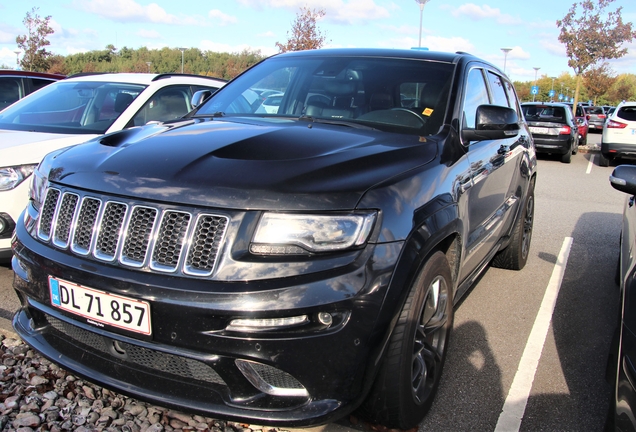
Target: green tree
[[623, 88], [305, 34], [35, 56], [593, 36]]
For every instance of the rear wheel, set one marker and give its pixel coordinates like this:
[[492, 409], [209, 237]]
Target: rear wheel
[[515, 255], [410, 372], [567, 158], [603, 161]]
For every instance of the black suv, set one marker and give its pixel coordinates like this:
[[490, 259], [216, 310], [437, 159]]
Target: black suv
[[553, 128], [282, 266]]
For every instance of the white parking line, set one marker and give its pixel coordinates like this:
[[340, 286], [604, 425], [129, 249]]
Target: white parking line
[[515, 404], [590, 164]]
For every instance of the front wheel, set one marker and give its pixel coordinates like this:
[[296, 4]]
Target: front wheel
[[410, 372], [515, 255]]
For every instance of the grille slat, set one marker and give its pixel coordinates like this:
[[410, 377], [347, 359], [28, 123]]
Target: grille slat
[[133, 235]]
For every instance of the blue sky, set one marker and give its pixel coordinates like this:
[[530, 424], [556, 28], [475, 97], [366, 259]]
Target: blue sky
[[481, 28]]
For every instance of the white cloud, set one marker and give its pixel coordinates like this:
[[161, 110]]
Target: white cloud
[[553, 46], [7, 57], [131, 11], [9, 33], [478, 13], [149, 34], [224, 19], [352, 11]]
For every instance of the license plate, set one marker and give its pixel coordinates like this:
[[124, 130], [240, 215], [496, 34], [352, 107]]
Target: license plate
[[539, 130], [99, 307]]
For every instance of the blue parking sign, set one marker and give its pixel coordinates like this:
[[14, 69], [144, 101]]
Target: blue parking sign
[[551, 93], [534, 89]]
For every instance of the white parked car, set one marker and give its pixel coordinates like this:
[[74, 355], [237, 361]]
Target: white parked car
[[619, 134], [76, 110]]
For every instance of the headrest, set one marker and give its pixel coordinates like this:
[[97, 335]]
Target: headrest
[[122, 101], [340, 88]]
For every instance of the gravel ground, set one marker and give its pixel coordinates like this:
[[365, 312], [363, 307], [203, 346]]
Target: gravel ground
[[38, 395]]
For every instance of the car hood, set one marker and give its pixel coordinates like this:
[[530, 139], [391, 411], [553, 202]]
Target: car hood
[[243, 164], [21, 148]]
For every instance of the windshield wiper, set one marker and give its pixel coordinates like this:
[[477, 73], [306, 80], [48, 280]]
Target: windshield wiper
[[337, 122]]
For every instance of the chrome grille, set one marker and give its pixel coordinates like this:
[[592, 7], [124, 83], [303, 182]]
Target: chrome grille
[[205, 243], [134, 235], [110, 230]]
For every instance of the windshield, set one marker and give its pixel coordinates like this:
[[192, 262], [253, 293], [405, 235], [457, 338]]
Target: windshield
[[554, 114], [397, 95], [71, 107]]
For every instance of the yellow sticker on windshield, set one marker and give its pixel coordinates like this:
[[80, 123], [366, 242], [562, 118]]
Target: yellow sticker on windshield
[[427, 112]]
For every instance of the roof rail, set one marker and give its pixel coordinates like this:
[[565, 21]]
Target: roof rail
[[81, 74], [170, 75]]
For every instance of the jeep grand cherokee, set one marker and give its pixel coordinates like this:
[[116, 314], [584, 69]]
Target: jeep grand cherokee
[[282, 266]]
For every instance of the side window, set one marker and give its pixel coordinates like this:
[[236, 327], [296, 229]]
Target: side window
[[37, 84], [498, 91], [10, 91], [169, 103], [512, 98], [476, 94]]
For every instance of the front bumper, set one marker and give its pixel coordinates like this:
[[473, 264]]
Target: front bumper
[[191, 362]]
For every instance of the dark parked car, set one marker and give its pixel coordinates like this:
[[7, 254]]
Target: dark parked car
[[553, 128], [15, 85], [282, 268], [595, 117], [623, 369]]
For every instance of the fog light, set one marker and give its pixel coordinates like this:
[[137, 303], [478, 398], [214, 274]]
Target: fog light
[[264, 324], [6, 225], [325, 318]]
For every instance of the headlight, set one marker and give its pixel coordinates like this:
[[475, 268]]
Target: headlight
[[37, 189], [11, 177], [292, 234]]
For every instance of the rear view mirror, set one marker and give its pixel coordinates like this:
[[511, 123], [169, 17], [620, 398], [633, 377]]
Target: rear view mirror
[[493, 122], [199, 97], [624, 179]]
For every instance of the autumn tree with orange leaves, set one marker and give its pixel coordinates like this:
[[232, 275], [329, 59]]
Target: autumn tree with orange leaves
[[593, 36], [305, 34]]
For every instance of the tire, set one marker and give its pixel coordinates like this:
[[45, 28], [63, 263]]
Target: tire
[[412, 366], [567, 157], [575, 150], [583, 142], [515, 255], [603, 161]]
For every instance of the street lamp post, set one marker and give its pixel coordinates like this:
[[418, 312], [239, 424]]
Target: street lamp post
[[536, 69], [505, 51], [17, 59], [148, 63], [182, 51], [421, 3]]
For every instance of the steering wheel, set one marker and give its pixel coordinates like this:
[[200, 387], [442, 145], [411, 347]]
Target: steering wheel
[[417, 116]]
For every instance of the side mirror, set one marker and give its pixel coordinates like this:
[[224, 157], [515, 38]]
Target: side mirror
[[199, 97], [493, 122], [624, 179]]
